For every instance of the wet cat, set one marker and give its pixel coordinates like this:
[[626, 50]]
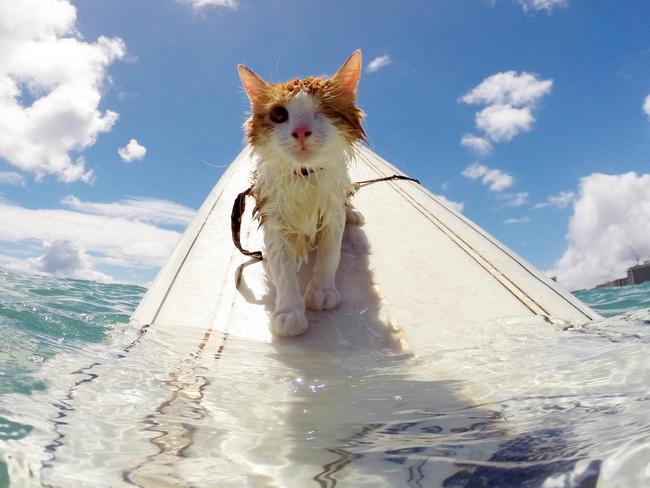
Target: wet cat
[[303, 133]]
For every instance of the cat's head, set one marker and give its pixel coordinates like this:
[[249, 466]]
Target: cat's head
[[305, 120]]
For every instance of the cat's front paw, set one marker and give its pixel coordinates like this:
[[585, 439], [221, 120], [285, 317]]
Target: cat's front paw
[[320, 297], [289, 324]]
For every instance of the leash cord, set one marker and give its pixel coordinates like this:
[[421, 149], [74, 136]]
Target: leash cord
[[239, 207]]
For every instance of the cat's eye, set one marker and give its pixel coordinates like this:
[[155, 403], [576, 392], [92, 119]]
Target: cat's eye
[[279, 115]]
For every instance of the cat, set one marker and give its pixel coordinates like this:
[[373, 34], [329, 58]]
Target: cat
[[303, 134]]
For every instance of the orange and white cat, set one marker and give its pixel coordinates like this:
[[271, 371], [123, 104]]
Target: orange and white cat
[[303, 134]]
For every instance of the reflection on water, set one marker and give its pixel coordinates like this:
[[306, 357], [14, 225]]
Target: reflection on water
[[524, 404]]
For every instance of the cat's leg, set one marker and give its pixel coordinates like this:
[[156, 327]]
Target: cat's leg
[[321, 292], [352, 215], [288, 318]]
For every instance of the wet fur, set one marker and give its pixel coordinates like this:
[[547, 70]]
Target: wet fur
[[302, 212]]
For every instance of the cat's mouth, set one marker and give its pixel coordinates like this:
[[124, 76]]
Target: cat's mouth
[[303, 153]]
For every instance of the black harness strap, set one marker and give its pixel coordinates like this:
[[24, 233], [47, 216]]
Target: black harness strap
[[239, 207]]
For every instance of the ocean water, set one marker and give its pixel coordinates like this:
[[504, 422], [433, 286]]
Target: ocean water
[[531, 404]]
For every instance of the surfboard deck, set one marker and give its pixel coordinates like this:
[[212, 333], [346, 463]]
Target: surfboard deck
[[428, 263], [168, 405]]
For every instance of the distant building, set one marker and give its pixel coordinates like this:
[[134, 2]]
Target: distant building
[[613, 283], [635, 276], [638, 274]]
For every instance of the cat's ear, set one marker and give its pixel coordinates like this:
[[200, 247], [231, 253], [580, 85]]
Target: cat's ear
[[347, 77], [255, 87]]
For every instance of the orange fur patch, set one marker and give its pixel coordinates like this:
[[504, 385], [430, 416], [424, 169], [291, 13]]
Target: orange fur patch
[[339, 108]]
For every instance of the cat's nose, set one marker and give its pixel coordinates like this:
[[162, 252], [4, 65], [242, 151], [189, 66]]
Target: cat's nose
[[301, 133]]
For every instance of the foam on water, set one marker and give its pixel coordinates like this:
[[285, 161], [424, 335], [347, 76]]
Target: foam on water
[[524, 403]]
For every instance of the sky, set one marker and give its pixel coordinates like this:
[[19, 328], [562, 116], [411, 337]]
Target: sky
[[117, 118]]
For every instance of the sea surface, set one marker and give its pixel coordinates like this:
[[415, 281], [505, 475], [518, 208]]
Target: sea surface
[[553, 406]]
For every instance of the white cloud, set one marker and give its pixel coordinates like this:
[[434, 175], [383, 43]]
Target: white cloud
[[132, 151], [611, 214], [476, 144], [646, 105], [36, 19], [149, 210], [475, 171], [514, 200], [561, 200], [11, 178], [378, 63], [509, 88], [510, 99], [199, 4], [43, 55], [495, 179], [547, 5], [66, 259], [503, 122], [521, 220], [120, 234], [457, 206], [114, 239]]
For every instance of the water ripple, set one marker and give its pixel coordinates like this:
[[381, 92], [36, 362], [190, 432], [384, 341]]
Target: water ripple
[[489, 410]]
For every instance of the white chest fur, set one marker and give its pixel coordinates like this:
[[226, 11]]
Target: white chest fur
[[295, 207]]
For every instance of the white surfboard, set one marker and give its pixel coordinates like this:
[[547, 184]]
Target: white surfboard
[[416, 244], [205, 395]]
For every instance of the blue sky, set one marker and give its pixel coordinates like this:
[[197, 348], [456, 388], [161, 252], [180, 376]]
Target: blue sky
[[555, 88]]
